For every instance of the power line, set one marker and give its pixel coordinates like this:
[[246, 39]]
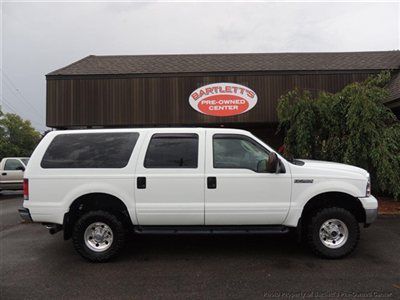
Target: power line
[[25, 107], [14, 110], [9, 104], [9, 107], [12, 87], [19, 92], [6, 102], [20, 97]]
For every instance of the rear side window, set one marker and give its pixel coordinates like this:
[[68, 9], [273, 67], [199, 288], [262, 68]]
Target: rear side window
[[90, 150], [172, 151]]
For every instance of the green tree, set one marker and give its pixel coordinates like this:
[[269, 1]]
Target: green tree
[[352, 126], [17, 136]]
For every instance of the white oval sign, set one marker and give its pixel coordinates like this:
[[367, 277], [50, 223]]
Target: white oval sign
[[223, 99]]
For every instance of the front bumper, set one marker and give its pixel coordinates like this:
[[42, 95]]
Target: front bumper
[[25, 214], [370, 205]]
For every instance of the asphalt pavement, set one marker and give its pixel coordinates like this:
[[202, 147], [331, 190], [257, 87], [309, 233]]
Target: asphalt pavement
[[37, 265]]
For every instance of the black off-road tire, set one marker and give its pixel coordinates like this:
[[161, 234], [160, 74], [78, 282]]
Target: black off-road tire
[[119, 235], [313, 229]]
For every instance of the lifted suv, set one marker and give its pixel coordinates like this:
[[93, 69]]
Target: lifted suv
[[98, 184]]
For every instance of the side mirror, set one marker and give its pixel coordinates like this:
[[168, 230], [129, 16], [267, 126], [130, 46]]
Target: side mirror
[[273, 162], [21, 168]]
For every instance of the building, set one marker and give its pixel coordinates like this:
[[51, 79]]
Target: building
[[235, 90]]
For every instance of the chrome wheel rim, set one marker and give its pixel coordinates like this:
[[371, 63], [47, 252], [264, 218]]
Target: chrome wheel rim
[[333, 233], [98, 237]]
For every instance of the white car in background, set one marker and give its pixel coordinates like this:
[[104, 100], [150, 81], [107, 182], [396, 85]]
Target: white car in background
[[98, 184], [12, 172]]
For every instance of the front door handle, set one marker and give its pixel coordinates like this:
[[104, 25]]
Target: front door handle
[[4, 174], [141, 182], [211, 182]]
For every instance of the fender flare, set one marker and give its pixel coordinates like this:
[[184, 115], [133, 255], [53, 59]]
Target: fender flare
[[297, 205]]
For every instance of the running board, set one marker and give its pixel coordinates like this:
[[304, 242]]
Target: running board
[[271, 229]]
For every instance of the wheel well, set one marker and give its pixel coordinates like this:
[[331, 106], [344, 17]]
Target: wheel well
[[94, 201], [334, 199]]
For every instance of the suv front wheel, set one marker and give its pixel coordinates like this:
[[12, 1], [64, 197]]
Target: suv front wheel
[[98, 236], [333, 232]]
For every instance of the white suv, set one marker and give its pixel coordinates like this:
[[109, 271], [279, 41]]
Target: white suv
[[98, 184]]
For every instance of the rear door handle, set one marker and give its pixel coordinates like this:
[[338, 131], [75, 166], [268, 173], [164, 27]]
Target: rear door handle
[[141, 182], [4, 174], [211, 182]]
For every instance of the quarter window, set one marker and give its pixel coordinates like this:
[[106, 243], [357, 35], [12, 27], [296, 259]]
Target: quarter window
[[90, 150], [13, 165], [172, 151], [237, 152]]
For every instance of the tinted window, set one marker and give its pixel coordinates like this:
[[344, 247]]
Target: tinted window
[[236, 151], [90, 150], [25, 161], [172, 151], [13, 165]]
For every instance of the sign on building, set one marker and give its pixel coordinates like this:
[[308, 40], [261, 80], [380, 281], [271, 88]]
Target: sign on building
[[223, 99]]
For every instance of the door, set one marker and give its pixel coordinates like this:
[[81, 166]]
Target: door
[[170, 179], [236, 192], [13, 174]]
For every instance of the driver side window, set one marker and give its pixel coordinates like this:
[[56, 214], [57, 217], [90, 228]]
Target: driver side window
[[232, 151], [13, 165]]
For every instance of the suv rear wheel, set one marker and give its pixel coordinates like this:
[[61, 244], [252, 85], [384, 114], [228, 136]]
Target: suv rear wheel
[[333, 232], [98, 236]]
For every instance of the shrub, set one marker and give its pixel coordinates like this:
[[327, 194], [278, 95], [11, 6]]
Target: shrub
[[17, 136], [352, 126]]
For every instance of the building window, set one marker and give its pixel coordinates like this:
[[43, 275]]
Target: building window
[[172, 151], [90, 150]]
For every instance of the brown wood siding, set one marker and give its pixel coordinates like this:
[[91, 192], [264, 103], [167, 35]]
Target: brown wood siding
[[163, 100]]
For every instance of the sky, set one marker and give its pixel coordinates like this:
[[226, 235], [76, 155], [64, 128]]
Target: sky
[[40, 37]]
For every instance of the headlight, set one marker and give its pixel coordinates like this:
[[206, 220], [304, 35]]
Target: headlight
[[368, 190]]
